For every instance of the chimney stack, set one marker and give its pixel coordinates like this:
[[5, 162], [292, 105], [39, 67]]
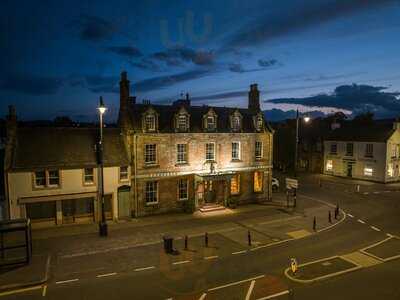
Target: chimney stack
[[254, 97], [124, 91]]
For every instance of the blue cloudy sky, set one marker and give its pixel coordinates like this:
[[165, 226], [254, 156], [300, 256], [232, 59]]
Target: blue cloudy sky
[[58, 57]]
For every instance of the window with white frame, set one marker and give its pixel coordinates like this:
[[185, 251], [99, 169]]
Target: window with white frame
[[368, 171], [150, 122], [390, 170], [183, 189], [369, 150], [349, 149], [40, 178], [210, 152], [236, 126], [394, 148], [151, 192], [259, 123], [46, 178], [123, 173], [182, 123], [54, 177], [181, 153], [258, 150], [235, 150], [333, 148], [210, 123], [88, 176], [150, 154], [329, 165]]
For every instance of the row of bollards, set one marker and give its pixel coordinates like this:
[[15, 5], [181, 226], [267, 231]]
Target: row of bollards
[[329, 217]]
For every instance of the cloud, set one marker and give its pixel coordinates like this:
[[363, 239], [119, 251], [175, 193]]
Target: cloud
[[101, 84], [176, 55], [352, 97], [220, 96], [159, 82], [301, 17], [127, 51], [236, 67], [266, 63], [146, 64], [31, 84], [279, 114], [94, 29]]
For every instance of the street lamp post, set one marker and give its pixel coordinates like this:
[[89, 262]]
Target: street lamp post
[[306, 119], [103, 230]]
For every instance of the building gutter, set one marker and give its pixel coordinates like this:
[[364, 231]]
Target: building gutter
[[135, 175]]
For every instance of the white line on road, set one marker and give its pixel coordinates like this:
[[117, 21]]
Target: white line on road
[[239, 252], [235, 283], [275, 295], [365, 193], [106, 275], [181, 262], [250, 290], [66, 281], [350, 215], [375, 228], [389, 235], [211, 257], [202, 297], [44, 290], [145, 268], [376, 192], [361, 221]]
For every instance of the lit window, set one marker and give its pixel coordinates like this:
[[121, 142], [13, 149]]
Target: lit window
[[151, 191], [390, 170], [368, 171], [369, 150], [150, 122], [235, 184], [236, 123], [54, 177], [258, 150], [259, 123], [235, 150], [210, 151], [123, 173], [88, 176], [181, 153], [258, 181], [349, 149], [210, 123], [182, 123], [329, 165], [394, 148], [150, 154], [333, 148], [183, 189], [40, 178]]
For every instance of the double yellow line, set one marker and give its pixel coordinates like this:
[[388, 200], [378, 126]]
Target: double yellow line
[[28, 289]]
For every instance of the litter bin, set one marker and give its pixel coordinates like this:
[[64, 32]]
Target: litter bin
[[168, 244]]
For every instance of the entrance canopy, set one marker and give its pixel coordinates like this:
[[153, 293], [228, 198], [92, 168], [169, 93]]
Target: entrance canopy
[[214, 176]]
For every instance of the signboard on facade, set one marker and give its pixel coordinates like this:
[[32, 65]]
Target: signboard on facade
[[292, 183]]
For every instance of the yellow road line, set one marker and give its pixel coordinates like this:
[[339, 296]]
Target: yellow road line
[[17, 291]]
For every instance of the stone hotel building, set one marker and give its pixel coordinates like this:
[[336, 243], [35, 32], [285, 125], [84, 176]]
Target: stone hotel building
[[160, 158]]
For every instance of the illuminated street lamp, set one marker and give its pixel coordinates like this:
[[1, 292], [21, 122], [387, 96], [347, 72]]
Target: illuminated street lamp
[[103, 230], [306, 120]]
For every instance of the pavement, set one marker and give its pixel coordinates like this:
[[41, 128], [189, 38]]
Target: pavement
[[354, 257]]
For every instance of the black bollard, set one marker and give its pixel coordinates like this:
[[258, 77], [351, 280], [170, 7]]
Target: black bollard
[[249, 238], [206, 239], [315, 224], [336, 211], [330, 217], [186, 242]]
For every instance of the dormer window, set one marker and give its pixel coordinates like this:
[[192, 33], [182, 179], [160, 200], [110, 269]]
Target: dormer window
[[182, 121], [210, 120], [236, 121], [258, 122], [150, 120]]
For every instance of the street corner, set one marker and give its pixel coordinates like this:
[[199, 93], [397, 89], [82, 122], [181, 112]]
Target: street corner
[[321, 269], [385, 250]]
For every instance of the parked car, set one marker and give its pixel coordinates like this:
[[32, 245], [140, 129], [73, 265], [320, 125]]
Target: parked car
[[275, 184]]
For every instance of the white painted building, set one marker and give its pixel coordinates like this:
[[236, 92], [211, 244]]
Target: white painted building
[[364, 152], [52, 175]]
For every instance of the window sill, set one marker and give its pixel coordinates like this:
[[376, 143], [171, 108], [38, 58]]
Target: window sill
[[151, 204], [236, 160], [183, 200], [182, 164], [89, 184], [151, 165]]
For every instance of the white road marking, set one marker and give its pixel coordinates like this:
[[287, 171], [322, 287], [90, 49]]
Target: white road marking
[[211, 257], [376, 192], [239, 252], [250, 290], [389, 235], [66, 281], [235, 283], [365, 193], [361, 221], [375, 228], [386, 191], [145, 268], [202, 297], [44, 290], [350, 215], [106, 275], [181, 262], [275, 295]]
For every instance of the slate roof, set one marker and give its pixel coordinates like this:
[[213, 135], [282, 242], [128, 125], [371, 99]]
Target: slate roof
[[365, 133], [66, 148], [166, 114]]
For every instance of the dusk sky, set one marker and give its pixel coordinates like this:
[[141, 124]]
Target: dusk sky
[[58, 57]]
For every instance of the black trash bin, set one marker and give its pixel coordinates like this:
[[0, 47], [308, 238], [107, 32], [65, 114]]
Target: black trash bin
[[168, 244]]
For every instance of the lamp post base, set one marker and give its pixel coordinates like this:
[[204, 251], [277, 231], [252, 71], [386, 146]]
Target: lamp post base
[[103, 228]]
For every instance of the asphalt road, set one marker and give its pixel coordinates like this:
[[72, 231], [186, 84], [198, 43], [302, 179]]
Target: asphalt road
[[261, 272]]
